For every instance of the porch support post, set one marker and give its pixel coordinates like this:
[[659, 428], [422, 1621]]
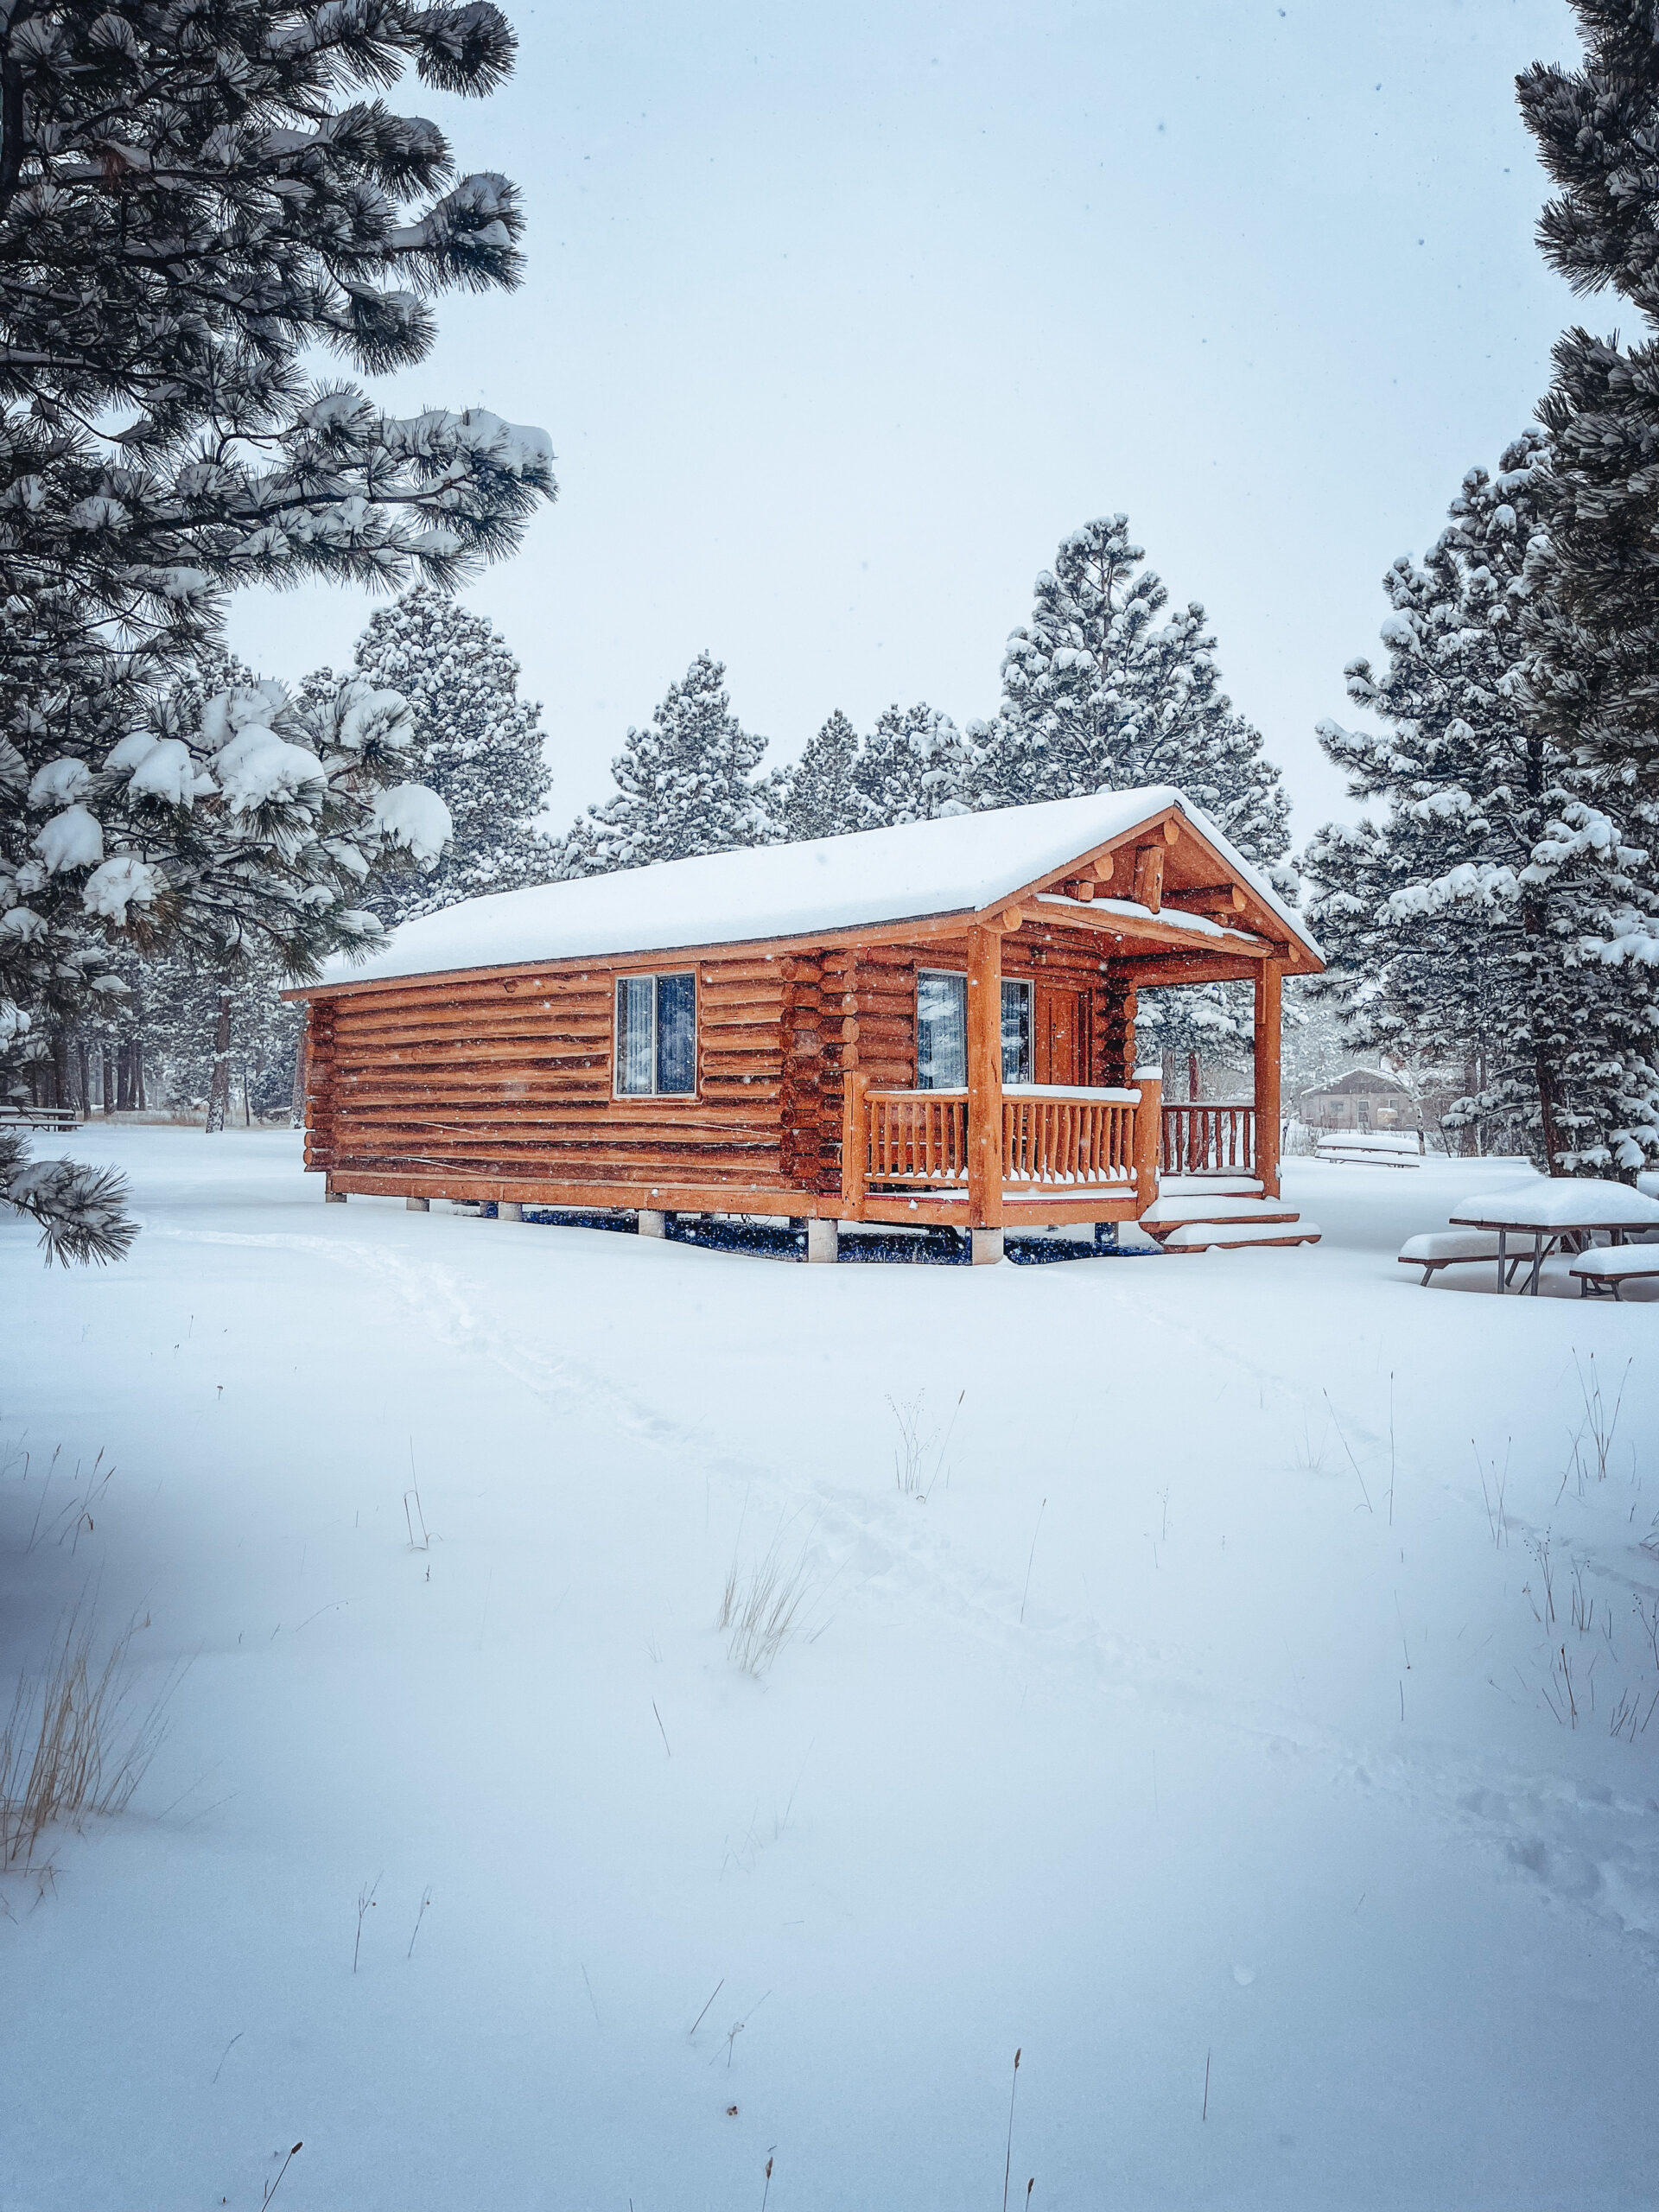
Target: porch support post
[[1148, 1135], [823, 1242], [652, 1223], [1266, 1076], [417, 1206], [985, 1090], [509, 1210], [854, 1143]]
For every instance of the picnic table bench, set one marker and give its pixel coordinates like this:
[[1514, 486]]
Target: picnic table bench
[[1453, 1248], [16, 1116], [1612, 1268]]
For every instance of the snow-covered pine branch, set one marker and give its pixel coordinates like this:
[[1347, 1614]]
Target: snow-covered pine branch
[[195, 204]]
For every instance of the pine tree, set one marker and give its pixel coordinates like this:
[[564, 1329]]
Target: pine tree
[[1104, 690], [684, 785], [192, 204], [1469, 915], [815, 797], [1595, 681], [477, 744], [915, 765]]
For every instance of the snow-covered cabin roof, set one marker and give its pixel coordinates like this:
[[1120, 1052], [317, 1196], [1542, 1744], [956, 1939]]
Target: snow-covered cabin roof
[[962, 864], [1359, 1081]]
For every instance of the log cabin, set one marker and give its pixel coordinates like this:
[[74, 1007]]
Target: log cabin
[[927, 1025]]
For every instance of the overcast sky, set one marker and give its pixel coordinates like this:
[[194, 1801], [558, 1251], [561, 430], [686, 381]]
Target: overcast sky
[[840, 318]]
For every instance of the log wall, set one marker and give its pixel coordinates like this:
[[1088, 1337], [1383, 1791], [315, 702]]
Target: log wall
[[509, 1079]]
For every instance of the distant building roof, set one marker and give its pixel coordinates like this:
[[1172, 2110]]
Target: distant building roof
[[1358, 1079]]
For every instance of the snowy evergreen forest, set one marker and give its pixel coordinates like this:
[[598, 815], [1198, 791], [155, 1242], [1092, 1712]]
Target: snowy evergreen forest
[[179, 837]]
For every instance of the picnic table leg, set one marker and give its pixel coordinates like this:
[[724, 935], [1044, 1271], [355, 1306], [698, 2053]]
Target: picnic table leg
[[1537, 1262], [1502, 1257]]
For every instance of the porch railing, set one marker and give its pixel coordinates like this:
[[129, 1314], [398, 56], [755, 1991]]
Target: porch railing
[[1055, 1141], [913, 1137], [1206, 1140], [917, 1136]]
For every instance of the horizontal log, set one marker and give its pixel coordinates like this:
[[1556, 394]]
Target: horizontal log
[[740, 1022], [706, 1124], [705, 1196], [768, 1067], [459, 992], [741, 971], [366, 1017], [528, 1054], [545, 1027], [630, 1159], [768, 1088]]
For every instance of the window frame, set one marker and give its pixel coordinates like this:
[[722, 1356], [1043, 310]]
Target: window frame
[[1014, 982], [655, 976]]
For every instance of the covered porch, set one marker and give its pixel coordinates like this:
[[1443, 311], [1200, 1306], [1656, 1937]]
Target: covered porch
[[999, 1151]]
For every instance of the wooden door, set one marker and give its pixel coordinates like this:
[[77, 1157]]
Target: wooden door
[[1058, 1042]]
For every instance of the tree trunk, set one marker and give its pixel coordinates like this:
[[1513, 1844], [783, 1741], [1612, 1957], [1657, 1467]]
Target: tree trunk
[[297, 1107], [84, 1072], [109, 1081], [219, 1090]]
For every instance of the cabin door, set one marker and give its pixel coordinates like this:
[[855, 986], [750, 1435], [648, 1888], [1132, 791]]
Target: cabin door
[[1059, 1041]]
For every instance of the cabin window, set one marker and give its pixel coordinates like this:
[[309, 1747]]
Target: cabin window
[[942, 1030], [656, 1036], [1016, 1033]]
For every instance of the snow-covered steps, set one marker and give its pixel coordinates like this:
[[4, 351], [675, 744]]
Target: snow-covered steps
[[1201, 1213], [1233, 1235], [1169, 1212], [1209, 1186]]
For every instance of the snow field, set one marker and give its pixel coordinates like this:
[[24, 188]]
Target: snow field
[[1172, 1815]]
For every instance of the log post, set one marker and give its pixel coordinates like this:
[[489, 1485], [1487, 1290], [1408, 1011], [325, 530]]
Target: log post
[[1268, 985], [854, 1143], [1148, 1133], [985, 1090]]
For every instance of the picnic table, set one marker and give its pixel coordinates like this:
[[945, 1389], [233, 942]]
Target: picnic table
[[1564, 1211]]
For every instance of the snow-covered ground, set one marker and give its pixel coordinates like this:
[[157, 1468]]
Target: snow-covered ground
[[1197, 1724]]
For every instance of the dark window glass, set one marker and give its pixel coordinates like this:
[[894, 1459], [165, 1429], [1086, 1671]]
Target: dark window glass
[[676, 1034], [1016, 1033]]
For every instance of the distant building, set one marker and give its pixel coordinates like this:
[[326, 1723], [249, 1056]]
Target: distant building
[[1361, 1099]]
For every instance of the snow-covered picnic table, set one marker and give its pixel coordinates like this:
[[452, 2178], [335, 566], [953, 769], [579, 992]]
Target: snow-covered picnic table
[[1556, 1211]]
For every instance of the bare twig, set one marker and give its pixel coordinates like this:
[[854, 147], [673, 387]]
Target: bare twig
[[1031, 1555], [364, 1907], [271, 2187], [1008, 2161]]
